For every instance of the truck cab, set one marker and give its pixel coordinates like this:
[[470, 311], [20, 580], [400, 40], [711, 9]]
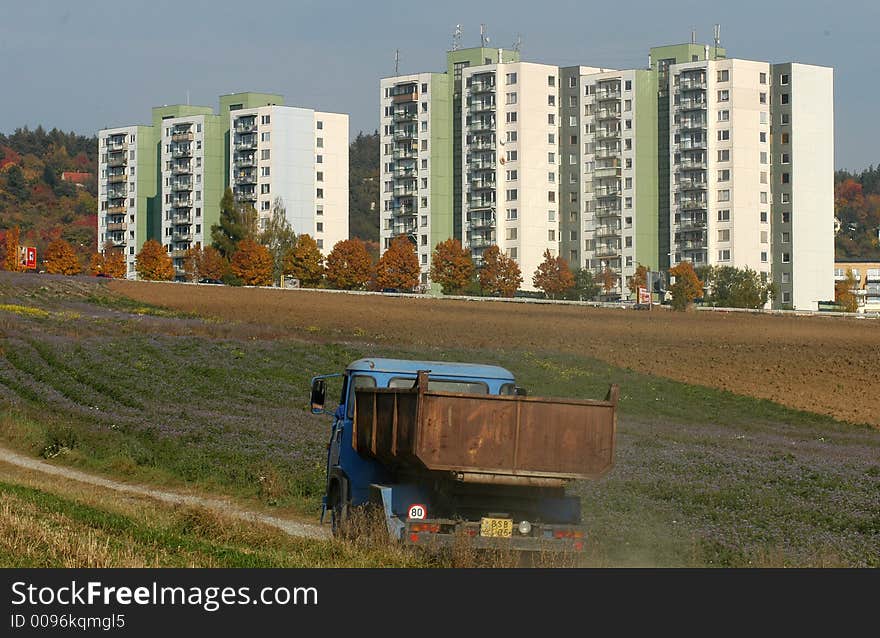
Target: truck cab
[[435, 445]]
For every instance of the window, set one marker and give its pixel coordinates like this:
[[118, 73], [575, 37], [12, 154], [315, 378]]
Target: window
[[786, 158], [786, 178], [724, 255], [265, 171], [264, 189], [510, 98], [551, 215], [763, 197], [724, 96], [762, 78], [628, 85], [264, 154], [786, 217], [319, 176], [763, 177], [511, 136], [551, 158], [763, 236], [784, 118], [763, 157], [785, 198], [786, 258], [512, 213], [511, 156], [764, 256], [628, 242], [551, 138], [724, 215], [628, 202], [763, 217], [572, 81], [724, 234], [784, 98], [551, 235], [551, 100], [551, 80], [762, 136], [265, 137], [572, 101], [320, 193], [723, 135], [724, 175], [424, 87], [572, 120], [724, 196], [628, 182], [551, 118], [551, 177], [724, 156], [723, 76], [551, 196], [510, 234], [511, 194], [724, 116], [319, 125], [783, 79], [785, 138], [786, 277], [511, 117], [512, 175], [786, 237], [628, 124]]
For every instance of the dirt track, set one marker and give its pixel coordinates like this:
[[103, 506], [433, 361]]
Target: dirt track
[[217, 505], [818, 364]]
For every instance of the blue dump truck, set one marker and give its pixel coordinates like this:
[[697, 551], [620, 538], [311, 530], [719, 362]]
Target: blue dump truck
[[452, 450]]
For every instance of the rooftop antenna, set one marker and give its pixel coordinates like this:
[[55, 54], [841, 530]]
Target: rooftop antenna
[[484, 39], [717, 35], [396, 61], [517, 45], [456, 38], [693, 36], [187, 97]]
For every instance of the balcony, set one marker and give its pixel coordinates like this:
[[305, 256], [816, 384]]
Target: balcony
[[404, 229], [246, 195], [603, 153], [482, 86], [246, 177], [607, 114], [693, 204], [482, 221], [607, 192], [692, 83], [403, 210], [401, 98], [116, 226], [404, 153], [178, 253], [692, 105], [117, 192], [407, 190], [692, 245], [116, 143], [120, 159], [607, 171], [607, 134], [405, 115], [181, 185], [481, 242], [605, 250], [607, 94], [182, 168], [607, 231], [246, 144], [483, 145], [481, 125], [692, 124], [690, 144], [181, 151], [693, 163], [181, 202], [182, 137], [118, 242], [115, 210], [691, 185], [243, 161], [407, 133], [181, 219], [608, 211], [117, 179], [405, 173], [181, 236], [482, 165], [482, 106], [691, 225], [245, 126]]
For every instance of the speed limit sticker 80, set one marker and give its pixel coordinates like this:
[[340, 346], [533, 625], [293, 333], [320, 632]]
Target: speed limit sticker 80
[[417, 512]]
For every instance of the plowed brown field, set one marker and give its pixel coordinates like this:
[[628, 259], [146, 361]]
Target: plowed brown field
[[820, 364]]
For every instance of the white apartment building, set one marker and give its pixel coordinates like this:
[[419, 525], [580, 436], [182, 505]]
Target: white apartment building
[[186, 155], [123, 189], [406, 130], [802, 162], [720, 187], [510, 176], [298, 155]]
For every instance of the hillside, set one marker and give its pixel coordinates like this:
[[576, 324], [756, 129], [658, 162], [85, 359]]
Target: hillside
[[857, 210]]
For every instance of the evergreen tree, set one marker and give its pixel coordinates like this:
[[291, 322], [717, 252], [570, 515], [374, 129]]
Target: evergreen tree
[[230, 230]]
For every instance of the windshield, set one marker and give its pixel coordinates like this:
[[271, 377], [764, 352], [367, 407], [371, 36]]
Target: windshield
[[463, 387], [358, 381]]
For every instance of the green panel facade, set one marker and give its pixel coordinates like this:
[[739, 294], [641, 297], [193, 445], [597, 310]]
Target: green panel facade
[[646, 169]]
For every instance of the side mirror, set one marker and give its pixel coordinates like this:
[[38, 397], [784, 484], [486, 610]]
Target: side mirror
[[319, 390], [520, 392]]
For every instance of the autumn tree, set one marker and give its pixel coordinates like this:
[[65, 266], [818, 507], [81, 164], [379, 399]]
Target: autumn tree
[[687, 286], [114, 262], [61, 259], [638, 280], [192, 263], [844, 292], [97, 264], [499, 275], [304, 261], [553, 276], [398, 267], [153, 263], [731, 287], [608, 279], [451, 266], [278, 237], [252, 263], [211, 264], [349, 265], [585, 286], [12, 248]]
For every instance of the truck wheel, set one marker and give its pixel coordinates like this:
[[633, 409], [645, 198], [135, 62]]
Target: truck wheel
[[338, 516]]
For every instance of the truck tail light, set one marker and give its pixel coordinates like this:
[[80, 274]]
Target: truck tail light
[[567, 533], [424, 527]]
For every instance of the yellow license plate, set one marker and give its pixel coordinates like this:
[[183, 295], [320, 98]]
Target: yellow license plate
[[496, 527]]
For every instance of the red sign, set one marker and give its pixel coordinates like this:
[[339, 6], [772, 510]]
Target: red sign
[[27, 257], [644, 296]]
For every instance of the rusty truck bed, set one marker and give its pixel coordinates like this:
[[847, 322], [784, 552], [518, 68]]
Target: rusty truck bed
[[487, 438]]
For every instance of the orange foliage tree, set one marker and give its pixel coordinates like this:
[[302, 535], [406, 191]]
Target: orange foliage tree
[[97, 264], [451, 266], [687, 286], [212, 265], [153, 263], [61, 259], [252, 263], [192, 263], [114, 262], [843, 292], [553, 276], [638, 280], [500, 274], [304, 261], [12, 246], [609, 279], [398, 266], [349, 265]]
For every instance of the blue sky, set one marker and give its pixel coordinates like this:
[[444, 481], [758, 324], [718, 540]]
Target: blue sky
[[85, 65]]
